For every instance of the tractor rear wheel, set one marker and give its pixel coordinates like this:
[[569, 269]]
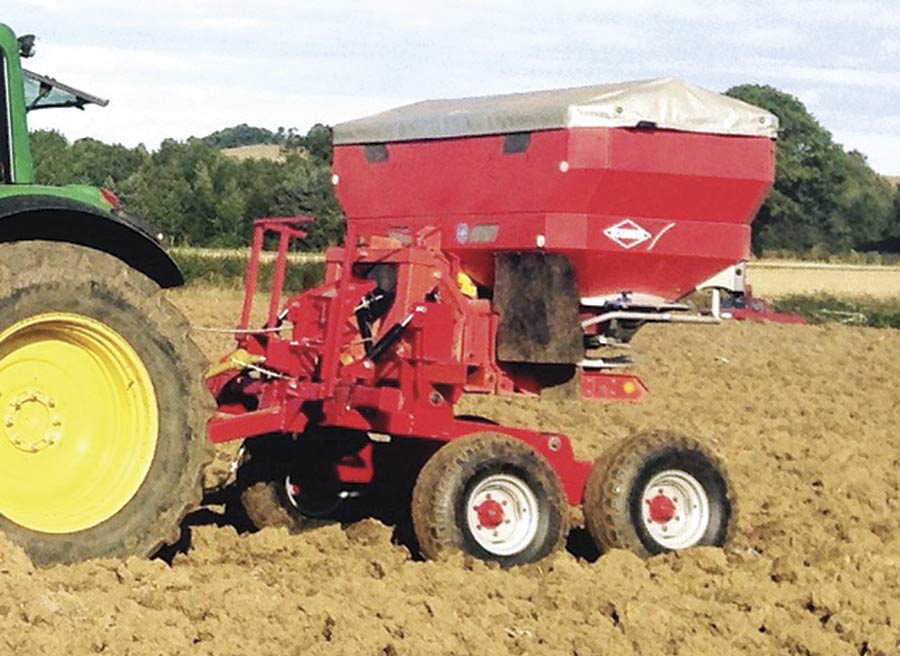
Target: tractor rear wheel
[[102, 406], [491, 496], [657, 492]]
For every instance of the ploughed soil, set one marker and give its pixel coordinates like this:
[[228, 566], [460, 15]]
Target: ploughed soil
[[804, 416]]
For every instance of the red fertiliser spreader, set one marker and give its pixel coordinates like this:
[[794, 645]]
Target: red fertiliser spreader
[[497, 245]]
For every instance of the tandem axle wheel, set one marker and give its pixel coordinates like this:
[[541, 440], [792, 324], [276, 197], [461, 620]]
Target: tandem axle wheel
[[496, 498], [657, 492]]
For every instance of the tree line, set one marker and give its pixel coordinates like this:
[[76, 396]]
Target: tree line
[[825, 199], [195, 195]]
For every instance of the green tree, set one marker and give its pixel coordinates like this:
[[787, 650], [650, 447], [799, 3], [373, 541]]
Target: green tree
[[93, 162], [194, 194], [51, 153], [231, 207], [894, 233], [318, 142], [305, 189], [239, 135], [823, 197]]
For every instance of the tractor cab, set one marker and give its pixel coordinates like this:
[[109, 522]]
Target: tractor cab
[[22, 91], [75, 213]]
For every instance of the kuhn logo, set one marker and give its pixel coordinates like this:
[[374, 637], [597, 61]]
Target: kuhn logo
[[627, 234]]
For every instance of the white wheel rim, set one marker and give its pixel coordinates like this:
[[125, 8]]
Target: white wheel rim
[[675, 509], [502, 514]]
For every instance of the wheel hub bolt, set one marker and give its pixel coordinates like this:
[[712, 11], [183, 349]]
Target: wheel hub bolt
[[32, 430]]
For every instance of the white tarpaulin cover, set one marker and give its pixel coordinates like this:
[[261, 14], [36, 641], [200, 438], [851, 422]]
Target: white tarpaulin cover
[[667, 103]]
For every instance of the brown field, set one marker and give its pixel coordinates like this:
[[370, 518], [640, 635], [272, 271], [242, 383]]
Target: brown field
[[772, 279], [805, 417]]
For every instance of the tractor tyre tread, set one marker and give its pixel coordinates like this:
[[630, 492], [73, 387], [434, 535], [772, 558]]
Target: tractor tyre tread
[[43, 276]]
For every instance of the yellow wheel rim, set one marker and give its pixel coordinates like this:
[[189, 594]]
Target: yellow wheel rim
[[78, 422]]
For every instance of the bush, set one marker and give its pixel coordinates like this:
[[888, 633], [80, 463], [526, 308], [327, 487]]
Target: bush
[[229, 270]]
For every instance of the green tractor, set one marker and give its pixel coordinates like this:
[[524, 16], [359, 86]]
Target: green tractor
[[102, 407]]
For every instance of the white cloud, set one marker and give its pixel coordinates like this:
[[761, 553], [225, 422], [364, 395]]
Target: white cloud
[[769, 37], [889, 47], [880, 148], [68, 6], [699, 10], [772, 70], [232, 23], [848, 15], [810, 96], [608, 34], [853, 77]]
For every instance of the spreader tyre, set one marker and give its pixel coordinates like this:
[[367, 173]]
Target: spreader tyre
[[288, 483], [490, 496], [657, 492], [268, 505], [102, 407]]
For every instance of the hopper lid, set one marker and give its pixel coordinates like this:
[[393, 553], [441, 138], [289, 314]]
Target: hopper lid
[[666, 103]]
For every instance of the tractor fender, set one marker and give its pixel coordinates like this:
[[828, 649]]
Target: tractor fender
[[52, 218]]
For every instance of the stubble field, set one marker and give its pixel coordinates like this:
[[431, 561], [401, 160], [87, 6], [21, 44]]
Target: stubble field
[[805, 417], [777, 278]]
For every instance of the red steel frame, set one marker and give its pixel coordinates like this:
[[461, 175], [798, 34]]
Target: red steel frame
[[312, 370]]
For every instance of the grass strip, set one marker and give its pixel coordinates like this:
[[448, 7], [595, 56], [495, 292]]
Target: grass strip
[[855, 311]]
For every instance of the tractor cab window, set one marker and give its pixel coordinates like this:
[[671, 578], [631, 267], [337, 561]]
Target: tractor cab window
[[43, 92]]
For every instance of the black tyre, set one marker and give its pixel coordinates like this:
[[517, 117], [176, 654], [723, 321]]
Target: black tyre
[[271, 505], [658, 492], [491, 496], [292, 483], [102, 442]]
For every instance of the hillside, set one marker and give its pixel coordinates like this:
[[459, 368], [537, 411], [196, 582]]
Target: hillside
[[271, 152]]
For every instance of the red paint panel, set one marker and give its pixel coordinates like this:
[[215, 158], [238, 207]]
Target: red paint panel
[[639, 172], [691, 196]]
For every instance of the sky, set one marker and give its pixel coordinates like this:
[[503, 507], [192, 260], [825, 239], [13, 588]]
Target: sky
[[177, 69]]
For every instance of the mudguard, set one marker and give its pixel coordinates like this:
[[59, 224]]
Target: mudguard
[[54, 218]]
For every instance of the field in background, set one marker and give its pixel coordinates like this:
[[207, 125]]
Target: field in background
[[775, 279], [270, 152]]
